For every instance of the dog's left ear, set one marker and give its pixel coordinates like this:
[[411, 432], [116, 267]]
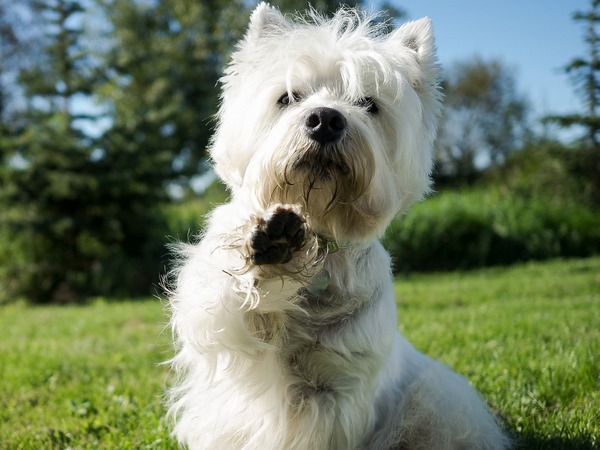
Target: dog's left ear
[[417, 37], [264, 19]]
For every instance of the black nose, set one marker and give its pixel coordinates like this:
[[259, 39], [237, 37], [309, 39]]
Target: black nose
[[325, 125]]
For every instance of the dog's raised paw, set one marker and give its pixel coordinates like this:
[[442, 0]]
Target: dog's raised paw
[[276, 235]]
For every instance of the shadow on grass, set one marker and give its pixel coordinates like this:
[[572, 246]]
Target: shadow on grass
[[532, 441]]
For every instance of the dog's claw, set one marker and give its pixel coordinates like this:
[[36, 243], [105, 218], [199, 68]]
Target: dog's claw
[[276, 236]]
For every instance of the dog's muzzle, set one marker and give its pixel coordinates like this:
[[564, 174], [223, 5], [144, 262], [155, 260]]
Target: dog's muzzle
[[325, 125]]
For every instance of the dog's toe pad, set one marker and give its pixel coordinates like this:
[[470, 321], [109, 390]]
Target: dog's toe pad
[[276, 236]]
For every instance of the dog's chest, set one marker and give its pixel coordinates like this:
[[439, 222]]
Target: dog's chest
[[318, 354]]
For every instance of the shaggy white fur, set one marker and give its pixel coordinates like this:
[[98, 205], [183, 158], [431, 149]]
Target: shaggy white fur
[[283, 313]]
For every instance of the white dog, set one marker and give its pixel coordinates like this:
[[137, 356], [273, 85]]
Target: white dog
[[283, 314]]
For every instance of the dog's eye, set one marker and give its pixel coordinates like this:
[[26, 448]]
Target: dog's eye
[[369, 104], [285, 99]]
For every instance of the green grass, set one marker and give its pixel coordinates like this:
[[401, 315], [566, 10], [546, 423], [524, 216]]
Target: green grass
[[528, 337], [83, 377]]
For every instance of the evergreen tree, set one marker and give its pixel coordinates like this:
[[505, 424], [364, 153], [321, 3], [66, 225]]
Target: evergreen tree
[[15, 51], [585, 73], [165, 62], [49, 188]]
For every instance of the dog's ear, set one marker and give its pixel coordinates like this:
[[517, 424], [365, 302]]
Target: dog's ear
[[417, 37], [265, 18]]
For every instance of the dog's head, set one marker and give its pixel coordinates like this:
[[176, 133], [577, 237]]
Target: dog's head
[[332, 114]]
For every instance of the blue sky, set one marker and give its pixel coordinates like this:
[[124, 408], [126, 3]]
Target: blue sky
[[536, 38]]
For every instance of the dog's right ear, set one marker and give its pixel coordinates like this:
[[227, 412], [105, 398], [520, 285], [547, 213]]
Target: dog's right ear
[[264, 18]]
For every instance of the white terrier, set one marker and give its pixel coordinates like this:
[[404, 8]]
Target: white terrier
[[284, 314]]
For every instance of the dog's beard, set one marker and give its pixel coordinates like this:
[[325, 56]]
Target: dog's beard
[[323, 178], [331, 182], [321, 162]]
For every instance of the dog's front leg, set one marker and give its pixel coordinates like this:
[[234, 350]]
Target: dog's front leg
[[229, 300], [247, 264], [281, 254]]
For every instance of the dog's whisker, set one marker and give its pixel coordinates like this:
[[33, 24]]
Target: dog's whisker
[[333, 200], [285, 175]]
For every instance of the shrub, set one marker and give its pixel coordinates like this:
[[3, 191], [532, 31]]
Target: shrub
[[490, 227]]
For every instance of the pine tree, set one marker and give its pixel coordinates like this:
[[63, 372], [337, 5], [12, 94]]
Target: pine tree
[[49, 190], [585, 73], [165, 62]]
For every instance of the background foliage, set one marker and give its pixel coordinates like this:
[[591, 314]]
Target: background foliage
[[533, 207]]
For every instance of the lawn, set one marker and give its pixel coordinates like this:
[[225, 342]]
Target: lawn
[[83, 377], [528, 337]]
